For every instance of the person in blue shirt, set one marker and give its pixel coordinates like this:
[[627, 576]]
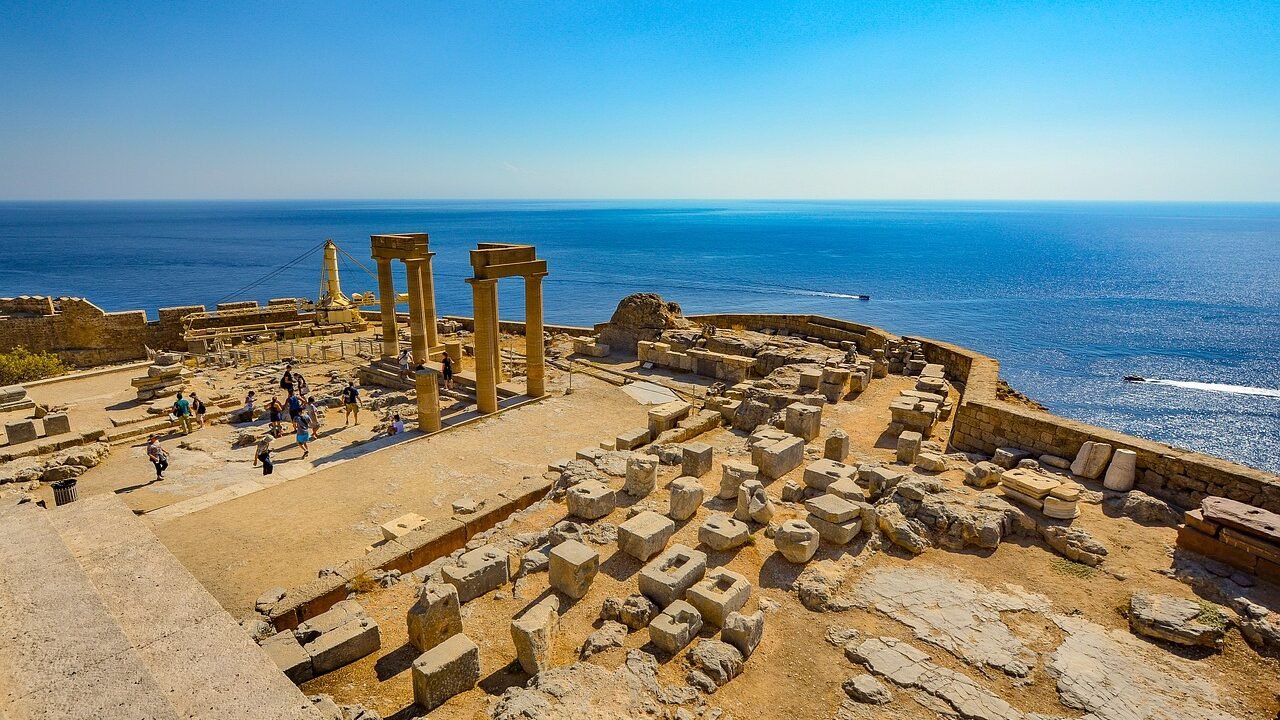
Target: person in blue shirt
[[351, 402], [182, 410], [294, 404]]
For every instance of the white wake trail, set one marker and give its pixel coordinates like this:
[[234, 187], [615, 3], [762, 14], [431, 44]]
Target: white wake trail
[[1219, 387]]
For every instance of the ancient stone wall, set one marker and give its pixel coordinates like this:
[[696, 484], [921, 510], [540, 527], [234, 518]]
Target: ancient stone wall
[[517, 328], [983, 423], [75, 329], [823, 328]]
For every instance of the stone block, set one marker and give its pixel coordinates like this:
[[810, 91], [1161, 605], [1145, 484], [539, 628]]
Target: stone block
[[450, 668], [286, 652], [344, 644], [743, 631], [1009, 457], [665, 417], [909, 446], [534, 635], [590, 454], [848, 489], [781, 457], [402, 526], [879, 479], [983, 475], [668, 576], [632, 439], [841, 533], [732, 475], [645, 535], [56, 424], [803, 421], [836, 446], [572, 567], [642, 475], [435, 617], [797, 541], [721, 532], [1091, 460], [1220, 511], [721, 592], [20, 431], [676, 627], [821, 473], [1121, 473], [1173, 619], [1197, 542], [695, 459], [590, 500], [810, 379], [478, 571], [754, 503], [833, 508], [931, 462], [686, 497]]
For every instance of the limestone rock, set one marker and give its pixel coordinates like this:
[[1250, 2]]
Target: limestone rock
[[717, 660], [637, 611], [1074, 544], [907, 666], [902, 531], [1141, 507], [743, 631], [1175, 620], [686, 498], [1121, 472], [1091, 460], [797, 541], [983, 475], [610, 635], [866, 689]]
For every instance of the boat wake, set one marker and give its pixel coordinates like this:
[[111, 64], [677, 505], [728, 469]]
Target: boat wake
[[1218, 387]]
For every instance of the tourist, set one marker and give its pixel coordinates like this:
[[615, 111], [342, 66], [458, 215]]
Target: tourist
[[262, 454], [300, 385], [447, 364], [157, 456], [302, 429], [406, 362], [198, 408], [313, 412], [286, 380], [249, 401], [350, 402], [182, 411], [294, 404], [276, 413], [397, 426]]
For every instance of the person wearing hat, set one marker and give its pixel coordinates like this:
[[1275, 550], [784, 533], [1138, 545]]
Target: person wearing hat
[[262, 453]]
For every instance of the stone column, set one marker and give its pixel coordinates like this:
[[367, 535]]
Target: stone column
[[484, 298], [417, 331], [429, 302], [497, 339], [534, 356], [387, 304], [428, 400]]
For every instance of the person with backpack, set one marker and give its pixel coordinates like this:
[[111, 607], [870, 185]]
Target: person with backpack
[[198, 409], [262, 454], [286, 380], [294, 404], [157, 456], [182, 411], [351, 402], [276, 412]]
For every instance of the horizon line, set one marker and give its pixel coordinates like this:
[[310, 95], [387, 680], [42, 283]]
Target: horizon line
[[644, 199]]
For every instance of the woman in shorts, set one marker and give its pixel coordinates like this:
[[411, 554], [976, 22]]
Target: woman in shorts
[[276, 411], [302, 425]]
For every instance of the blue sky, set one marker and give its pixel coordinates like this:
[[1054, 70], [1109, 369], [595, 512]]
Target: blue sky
[[1160, 100]]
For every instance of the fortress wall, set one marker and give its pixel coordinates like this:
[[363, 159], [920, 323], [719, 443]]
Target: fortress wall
[[984, 422], [76, 330], [517, 328], [824, 328]]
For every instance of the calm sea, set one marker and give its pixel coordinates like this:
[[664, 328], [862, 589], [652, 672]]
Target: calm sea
[[1071, 297]]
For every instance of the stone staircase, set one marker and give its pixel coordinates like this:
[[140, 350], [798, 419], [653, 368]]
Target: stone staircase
[[99, 620]]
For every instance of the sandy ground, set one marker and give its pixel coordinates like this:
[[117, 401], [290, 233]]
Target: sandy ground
[[795, 673], [283, 535]]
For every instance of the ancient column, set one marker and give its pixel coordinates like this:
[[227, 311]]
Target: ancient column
[[497, 339], [387, 303], [429, 302], [535, 364], [484, 298], [417, 323], [428, 400]]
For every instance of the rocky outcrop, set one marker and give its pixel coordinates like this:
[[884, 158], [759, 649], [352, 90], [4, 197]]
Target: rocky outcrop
[[642, 316], [1176, 620], [1074, 544]]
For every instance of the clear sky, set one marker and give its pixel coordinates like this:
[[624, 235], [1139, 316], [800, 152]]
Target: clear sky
[[1068, 100]]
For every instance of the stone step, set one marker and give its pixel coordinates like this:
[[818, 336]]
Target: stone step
[[62, 655], [206, 665]]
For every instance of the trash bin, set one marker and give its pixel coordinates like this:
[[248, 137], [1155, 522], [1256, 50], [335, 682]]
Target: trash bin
[[64, 491]]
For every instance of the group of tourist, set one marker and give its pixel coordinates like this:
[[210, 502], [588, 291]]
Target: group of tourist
[[298, 407], [407, 368]]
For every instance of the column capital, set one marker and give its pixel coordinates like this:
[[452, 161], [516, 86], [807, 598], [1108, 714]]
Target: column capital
[[482, 282]]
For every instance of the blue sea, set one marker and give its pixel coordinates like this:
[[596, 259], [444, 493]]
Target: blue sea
[[1070, 297]]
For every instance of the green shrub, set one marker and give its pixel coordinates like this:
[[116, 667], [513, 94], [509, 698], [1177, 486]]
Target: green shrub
[[21, 365]]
